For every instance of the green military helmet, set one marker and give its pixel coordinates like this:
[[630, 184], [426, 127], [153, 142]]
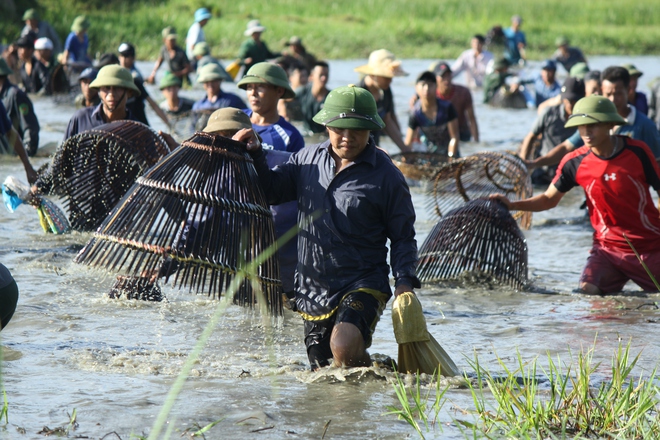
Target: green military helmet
[[561, 41], [169, 80], [80, 23], [227, 118], [500, 63], [268, 73], [169, 33], [30, 14], [632, 70], [212, 72], [594, 109], [4, 68], [579, 70], [114, 75], [352, 108], [201, 49]]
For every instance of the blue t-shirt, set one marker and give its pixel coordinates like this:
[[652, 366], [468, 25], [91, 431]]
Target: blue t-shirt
[[434, 134], [513, 38], [77, 50], [224, 100], [280, 136], [642, 129], [542, 91]]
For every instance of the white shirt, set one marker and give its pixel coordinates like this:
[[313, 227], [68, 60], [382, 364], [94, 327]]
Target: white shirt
[[474, 66], [195, 35]]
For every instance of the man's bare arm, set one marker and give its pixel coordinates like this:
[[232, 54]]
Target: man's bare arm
[[542, 202]]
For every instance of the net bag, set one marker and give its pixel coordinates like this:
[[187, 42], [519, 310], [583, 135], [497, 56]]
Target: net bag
[[94, 169], [418, 165], [478, 176], [193, 219], [480, 236]]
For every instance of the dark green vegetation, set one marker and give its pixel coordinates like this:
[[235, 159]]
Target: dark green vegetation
[[351, 29]]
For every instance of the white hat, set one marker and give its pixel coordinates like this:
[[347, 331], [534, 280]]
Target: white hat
[[43, 43], [252, 27]]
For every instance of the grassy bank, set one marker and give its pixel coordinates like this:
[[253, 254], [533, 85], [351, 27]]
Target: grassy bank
[[351, 29]]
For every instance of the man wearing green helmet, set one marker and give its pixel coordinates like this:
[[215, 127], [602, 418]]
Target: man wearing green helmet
[[351, 200], [116, 86], [615, 172]]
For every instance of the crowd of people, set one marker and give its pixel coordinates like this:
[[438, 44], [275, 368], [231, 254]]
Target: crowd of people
[[595, 126]]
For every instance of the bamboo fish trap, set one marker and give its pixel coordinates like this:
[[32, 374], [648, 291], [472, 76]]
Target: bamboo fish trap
[[481, 175], [418, 165], [480, 236], [94, 169], [194, 217]]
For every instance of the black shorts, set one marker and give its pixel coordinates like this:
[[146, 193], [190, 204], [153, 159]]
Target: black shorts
[[359, 308]]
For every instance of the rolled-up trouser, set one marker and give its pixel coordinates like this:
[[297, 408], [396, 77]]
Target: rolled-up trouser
[[361, 308]]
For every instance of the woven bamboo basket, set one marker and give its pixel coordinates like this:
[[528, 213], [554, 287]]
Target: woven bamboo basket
[[481, 175], [480, 236], [193, 219], [94, 169], [418, 165]]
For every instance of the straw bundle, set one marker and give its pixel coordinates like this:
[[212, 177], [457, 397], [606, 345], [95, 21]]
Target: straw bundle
[[481, 175], [94, 169], [419, 352], [199, 213], [478, 237], [418, 165]]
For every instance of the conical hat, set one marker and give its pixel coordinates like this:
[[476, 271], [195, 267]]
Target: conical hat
[[382, 63]]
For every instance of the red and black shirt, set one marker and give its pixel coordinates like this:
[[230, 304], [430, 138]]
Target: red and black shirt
[[618, 196]]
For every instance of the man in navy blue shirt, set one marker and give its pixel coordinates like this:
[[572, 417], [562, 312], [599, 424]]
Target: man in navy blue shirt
[[211, 77], [351, 200], [116, 86]]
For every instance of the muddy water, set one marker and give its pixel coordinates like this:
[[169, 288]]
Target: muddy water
[[114, 361]]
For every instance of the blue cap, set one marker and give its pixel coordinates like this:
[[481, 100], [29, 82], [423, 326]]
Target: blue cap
[[549, 65], [202, 14], [88, 73]]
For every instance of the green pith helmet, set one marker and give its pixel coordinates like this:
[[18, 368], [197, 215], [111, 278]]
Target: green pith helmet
[[500, 63], [561, 41], [201, 49], [212, 72], [168, 33], [579, 70], [594, 109], [169, 80], [268, 73], [350, 107], [115, 76], [228, 118], [80, 23], [4, 68], [632, 70], [30, 14]]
